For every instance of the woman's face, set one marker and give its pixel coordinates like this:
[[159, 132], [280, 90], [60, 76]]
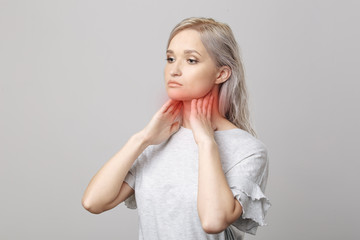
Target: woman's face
[[189, 64]]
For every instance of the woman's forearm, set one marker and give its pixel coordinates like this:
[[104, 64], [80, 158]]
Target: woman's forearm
[[105, 185], [215, 200]]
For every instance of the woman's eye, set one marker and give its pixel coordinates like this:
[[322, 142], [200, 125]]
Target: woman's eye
[[170, 59], [192, 61]]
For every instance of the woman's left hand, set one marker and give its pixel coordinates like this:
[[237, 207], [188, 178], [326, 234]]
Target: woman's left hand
[[200, 118]]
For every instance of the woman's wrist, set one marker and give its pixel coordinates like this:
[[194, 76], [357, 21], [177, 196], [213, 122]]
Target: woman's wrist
[[207, 143], [141, 138]]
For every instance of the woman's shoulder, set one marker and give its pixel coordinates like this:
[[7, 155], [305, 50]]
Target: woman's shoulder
[[240, 140], [226, 125]]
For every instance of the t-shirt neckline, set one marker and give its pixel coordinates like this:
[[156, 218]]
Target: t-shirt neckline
[[215, 132]]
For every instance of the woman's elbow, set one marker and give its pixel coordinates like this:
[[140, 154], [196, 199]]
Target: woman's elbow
[[214, 227], [90, 206]]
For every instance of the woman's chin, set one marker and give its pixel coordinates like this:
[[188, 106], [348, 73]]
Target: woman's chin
[[181, 95], [175, 96]]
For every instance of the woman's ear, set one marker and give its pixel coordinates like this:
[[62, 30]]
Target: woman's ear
[[223, 74]]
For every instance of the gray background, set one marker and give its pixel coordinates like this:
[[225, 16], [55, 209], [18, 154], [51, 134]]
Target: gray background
[[78, 78]]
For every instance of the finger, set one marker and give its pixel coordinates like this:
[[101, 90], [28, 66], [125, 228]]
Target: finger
[[166, 105], [210, 107], [177, 108], [174, 127], [176, 112], [172, 106], [205, 104], [199, 104], [169, 110], [193, 106]]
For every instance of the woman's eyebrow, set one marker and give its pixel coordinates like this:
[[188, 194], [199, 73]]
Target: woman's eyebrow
[[185, 51]]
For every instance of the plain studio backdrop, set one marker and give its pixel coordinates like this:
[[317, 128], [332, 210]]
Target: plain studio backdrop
[[78, 78]]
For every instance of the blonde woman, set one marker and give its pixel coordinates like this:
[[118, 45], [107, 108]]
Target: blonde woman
[[197, 170]]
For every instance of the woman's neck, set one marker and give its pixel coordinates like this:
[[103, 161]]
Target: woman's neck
[[216, 119]]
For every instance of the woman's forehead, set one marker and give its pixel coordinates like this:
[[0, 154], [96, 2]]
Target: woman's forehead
[[187, 41]]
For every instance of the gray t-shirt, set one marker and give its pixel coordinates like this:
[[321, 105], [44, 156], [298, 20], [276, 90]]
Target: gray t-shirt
[[165, 180]]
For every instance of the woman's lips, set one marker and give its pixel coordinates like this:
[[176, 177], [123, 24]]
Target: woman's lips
[[174, 84]]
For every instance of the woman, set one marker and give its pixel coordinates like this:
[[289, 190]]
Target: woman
[[197, 170]]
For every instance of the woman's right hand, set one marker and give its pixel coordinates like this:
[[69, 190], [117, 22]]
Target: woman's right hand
[[162, 124]]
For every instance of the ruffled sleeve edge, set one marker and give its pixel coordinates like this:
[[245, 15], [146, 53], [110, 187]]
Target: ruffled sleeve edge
[[254, 205], [130, 202]]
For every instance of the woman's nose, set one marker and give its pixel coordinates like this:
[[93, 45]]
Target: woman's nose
[[175, 69]]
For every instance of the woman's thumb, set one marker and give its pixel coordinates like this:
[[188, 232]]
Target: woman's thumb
[[175, 127]]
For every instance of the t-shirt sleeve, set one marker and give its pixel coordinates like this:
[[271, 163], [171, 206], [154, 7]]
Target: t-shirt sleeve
[[247, 181], [130, 178]]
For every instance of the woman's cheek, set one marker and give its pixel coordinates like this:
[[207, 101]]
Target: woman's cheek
[[203, 86]]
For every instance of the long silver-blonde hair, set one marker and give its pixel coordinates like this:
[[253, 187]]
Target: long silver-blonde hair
[[219, 41]]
